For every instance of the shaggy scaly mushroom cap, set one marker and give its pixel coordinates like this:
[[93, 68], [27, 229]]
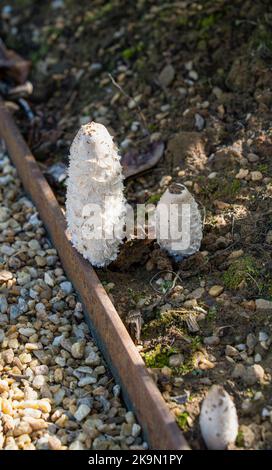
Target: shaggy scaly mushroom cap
[[190, 228], [95, 177]]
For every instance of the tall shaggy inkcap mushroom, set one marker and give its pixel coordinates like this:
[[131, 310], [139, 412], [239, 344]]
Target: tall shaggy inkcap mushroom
[[94, 176], [191, 228]]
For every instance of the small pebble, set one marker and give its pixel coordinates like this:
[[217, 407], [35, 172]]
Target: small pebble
[[82, 412], [256, 176], [211, 340], [253, 374], [215, 291], [176, 360], [243, 173]]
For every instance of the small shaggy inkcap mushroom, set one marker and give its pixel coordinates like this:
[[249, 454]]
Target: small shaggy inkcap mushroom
[[179, 225], [95, 178], [218, 419]]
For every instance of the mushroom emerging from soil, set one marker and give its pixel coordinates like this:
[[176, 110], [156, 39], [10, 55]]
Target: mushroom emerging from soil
[[218, 419], [179, 225], [95, 205]]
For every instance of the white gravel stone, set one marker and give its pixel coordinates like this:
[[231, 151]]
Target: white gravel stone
[[39, 381], [136, 430], [82, 412], [93, 359], [49, 280], [2, 336], [66, 287], [76, 445], [27, 331], [87, 381], [3, 304]]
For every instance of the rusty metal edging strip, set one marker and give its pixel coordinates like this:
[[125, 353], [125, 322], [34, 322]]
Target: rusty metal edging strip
[[157, 421]]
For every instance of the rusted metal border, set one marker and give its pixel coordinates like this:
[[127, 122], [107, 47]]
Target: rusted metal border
[[127, 366]]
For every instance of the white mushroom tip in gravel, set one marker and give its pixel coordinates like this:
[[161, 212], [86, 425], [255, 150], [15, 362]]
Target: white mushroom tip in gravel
[[189, 226], [95, 177], [218, 419]]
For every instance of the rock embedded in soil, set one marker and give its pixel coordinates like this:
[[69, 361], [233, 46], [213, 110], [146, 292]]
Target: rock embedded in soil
[[263, 336], [252, 157], [199, 122], [256, 176], [167, 75], [230, 351], [176, 360], [242, 174], [268, 237], [236, 254], [193, 75], [251, 341], [211, 340], [238, 371], [262, 304], [253, 374], [197, 293], [215, 291]]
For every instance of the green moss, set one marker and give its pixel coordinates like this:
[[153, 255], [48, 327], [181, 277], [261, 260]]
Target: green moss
[[241, 270], [131, 52], [152, 127], [182, 420], [182, 20], [128, 53], [99, 13], [141, 64], [159, 356], [269, 290], [196, 343], [159, 324], [89, 16], [207, 22], [229, 188], [134, 295], [263, 168], [240, 440], [189, 364], [212, 314], [154, 199], [220, 188]]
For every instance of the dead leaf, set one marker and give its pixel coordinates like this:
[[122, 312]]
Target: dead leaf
[[134, 163], [12, 65]]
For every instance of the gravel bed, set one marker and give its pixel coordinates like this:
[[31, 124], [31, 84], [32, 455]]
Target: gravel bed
[[55, 390]]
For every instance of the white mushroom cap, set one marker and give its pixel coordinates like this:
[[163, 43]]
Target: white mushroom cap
[[190, 227], [218, 419], [94, 177]]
